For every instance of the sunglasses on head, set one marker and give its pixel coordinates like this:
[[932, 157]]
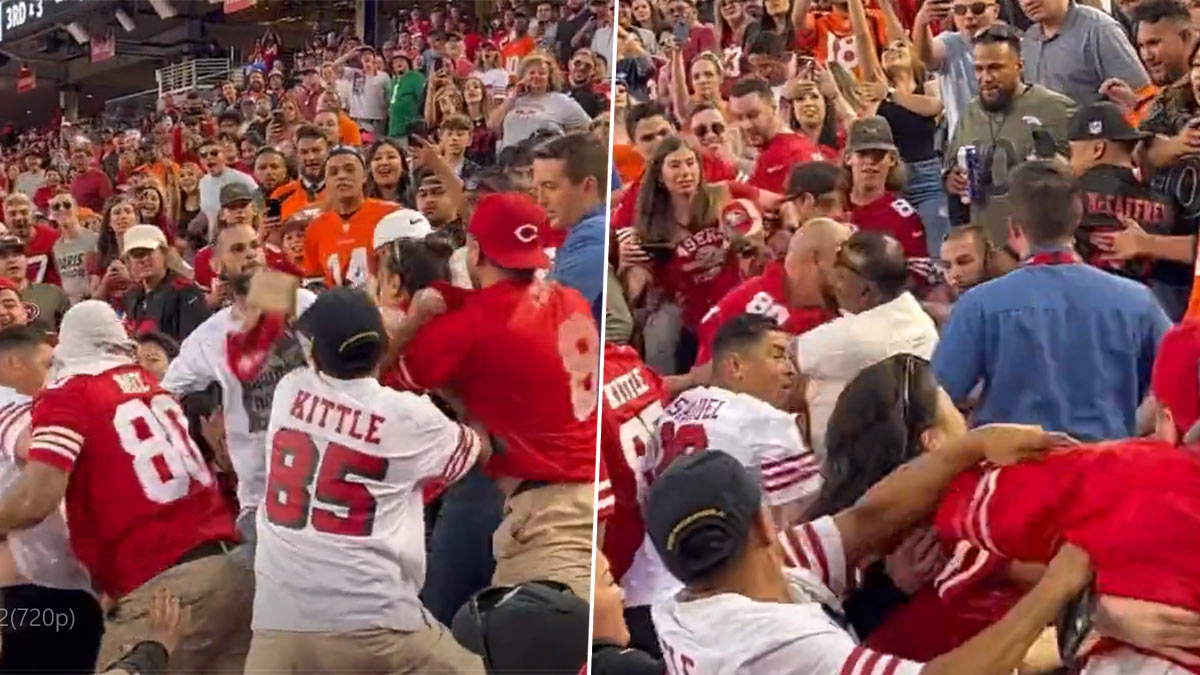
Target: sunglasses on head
[[716, 128], [976, 8]]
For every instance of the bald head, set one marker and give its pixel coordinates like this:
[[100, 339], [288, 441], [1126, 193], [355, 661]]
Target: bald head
[[808, 265], [819, 237]]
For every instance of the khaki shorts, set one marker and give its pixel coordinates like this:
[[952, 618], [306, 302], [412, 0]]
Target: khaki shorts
[[218, 593], [547, 534], [376, 650]]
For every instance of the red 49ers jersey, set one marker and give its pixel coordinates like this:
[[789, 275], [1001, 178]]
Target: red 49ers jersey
[[524, 359], [40, 254], [1133, 505], [140, 494], [893, 215], [632, 403], [759, 295]]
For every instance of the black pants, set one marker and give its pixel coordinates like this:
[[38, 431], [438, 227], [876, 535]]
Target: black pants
[[47, 630]]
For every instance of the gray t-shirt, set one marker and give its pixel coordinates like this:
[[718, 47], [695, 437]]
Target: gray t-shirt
[[1089, 48], [956, 78], [368, 94], [70, 256], [552, 110]]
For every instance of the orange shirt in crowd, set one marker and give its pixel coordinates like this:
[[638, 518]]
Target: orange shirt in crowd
[[340, 249], [513, 52], [349, 130], [628, 162], [293, 197], [830, 37]]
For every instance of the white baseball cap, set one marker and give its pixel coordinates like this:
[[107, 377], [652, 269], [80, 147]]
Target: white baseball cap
[[402, 224], [143, 236]]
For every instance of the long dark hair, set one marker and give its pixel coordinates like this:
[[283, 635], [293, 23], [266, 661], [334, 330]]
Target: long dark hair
[[108, 248], [829, 126], [404, 187], [875, 427], [653, 219], [418, 262]]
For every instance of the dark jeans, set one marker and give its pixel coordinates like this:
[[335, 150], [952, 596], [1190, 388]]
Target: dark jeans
[[460, 547], [49, 630]]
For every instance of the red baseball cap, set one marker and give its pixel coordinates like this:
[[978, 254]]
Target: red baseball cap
[[507, 226], [1175, 378]]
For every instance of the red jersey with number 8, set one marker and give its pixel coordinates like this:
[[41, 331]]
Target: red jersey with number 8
[[140, 494], [633, 401], [524, 359]]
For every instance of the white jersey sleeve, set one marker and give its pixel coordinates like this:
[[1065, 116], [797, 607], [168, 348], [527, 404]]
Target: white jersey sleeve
[[790, 471], [437, 447], [817, 547]]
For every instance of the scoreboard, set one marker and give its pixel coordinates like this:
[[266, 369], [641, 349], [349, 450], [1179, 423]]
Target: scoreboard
[[19, 18]]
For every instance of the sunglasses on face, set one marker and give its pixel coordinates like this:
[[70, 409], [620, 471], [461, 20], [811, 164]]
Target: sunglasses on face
[[209, 154], [976, 8], [60, 206], [716, 128]]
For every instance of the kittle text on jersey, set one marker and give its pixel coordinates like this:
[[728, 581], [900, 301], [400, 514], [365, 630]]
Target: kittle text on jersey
[[306, 404]]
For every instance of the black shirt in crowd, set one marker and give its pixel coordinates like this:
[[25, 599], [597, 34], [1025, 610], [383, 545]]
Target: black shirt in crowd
[[174, 307]]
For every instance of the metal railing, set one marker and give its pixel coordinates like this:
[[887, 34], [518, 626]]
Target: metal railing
[[192, 74], [177, 78]]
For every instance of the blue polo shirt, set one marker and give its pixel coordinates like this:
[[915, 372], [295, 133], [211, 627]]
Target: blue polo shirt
[[579, 262], [1068, 347]]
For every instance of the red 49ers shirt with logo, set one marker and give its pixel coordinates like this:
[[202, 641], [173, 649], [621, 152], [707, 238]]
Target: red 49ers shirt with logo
[[892, 214], [759, 295]]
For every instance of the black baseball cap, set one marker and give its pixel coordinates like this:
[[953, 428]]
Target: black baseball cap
[[10, 242], [1102, 120], [346, 331], [699, 513]]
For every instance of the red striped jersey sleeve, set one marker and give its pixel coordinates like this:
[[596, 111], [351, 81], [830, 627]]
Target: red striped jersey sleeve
[[817, 547]]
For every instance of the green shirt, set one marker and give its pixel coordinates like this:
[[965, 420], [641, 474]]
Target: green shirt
[[1007, 137], [404, 102]]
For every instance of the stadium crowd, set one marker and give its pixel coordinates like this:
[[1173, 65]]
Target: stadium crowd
[[901, 340], [258, 395]]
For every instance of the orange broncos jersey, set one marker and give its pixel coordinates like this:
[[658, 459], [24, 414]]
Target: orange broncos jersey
[[829, 37], [293, 198], [340, 249]]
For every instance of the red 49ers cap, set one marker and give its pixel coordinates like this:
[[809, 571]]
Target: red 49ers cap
[[507, 227]]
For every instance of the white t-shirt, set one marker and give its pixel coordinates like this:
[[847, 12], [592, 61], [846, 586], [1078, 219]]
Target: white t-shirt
[[341, 534], [763, 438], [42, 554], [832, 354], [730, 634], [496, 81], [368, 93], [204, 359]]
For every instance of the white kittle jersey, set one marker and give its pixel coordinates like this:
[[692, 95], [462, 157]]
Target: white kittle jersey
[[730, 634], [763, 438], [341, 531], [42, 553]]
